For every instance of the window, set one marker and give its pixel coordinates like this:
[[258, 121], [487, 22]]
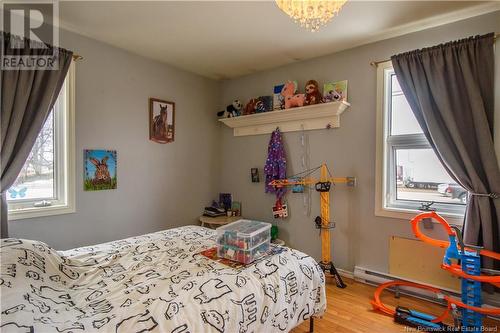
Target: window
[[45, 185], [409, 174]]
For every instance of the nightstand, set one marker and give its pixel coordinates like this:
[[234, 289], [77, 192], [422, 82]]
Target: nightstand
[[279, 242], [215, 222]]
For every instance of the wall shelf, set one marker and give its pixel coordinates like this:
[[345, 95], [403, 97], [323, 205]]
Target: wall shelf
[[307, 117]]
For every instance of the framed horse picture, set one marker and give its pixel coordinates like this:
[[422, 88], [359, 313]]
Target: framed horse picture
[[161, 120]]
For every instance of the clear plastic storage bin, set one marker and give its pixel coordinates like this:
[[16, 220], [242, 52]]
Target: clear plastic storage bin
[[243, 256], [244, 234], [243, 240]]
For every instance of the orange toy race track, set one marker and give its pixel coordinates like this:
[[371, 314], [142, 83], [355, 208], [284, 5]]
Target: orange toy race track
[[468, 305]]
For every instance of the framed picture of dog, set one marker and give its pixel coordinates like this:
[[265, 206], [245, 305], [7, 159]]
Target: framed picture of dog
[[100, 169], [161, 120]]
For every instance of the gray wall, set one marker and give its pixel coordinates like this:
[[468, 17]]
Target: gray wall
[[361, 238], [159, 186]]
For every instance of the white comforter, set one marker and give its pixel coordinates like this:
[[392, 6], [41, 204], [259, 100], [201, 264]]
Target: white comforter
[[154, 283]]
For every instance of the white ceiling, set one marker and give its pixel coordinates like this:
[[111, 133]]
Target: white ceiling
[[227, 39]]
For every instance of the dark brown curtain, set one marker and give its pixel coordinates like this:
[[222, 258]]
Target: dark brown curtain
[[450, 88], [27, 96]]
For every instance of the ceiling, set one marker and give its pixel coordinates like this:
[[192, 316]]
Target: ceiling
[[227, 39]]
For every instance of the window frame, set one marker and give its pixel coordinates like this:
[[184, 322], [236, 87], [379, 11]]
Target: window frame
[[64, 166], [386, 204]]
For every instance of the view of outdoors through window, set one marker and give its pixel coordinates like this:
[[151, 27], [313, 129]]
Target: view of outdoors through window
[[419, 174], [36, 180], [402, 119]]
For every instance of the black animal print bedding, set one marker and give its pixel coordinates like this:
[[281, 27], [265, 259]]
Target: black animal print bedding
[[154, 283]]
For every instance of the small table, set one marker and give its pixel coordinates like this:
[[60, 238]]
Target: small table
[[215, 222], [279, 242]]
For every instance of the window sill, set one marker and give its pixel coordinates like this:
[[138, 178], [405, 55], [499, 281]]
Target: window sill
[[408, 214], [29, 213]]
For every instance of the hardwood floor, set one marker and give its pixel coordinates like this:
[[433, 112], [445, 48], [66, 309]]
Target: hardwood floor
[[349, 310]]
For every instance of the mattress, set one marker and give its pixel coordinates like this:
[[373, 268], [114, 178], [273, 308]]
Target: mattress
[[157, 282]]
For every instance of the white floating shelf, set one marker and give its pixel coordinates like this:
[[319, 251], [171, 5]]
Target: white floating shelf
[[310, 117]]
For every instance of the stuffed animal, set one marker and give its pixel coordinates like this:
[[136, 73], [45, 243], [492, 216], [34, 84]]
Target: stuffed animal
[[232, 110], [313, 96], [291, 98], [250, 107]]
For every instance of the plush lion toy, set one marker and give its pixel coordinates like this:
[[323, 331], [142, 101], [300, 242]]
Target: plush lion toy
[[313, 95]]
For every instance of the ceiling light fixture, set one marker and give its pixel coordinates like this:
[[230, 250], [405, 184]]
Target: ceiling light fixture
[[311, 14]]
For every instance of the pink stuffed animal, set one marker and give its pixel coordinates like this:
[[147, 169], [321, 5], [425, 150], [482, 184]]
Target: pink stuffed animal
[[292, 99]]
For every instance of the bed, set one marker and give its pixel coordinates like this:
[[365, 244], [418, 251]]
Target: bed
[[157, 282]]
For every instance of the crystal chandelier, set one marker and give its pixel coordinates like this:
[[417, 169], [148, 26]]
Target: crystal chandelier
[[311, 14]]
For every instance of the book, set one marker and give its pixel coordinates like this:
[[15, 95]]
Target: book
[[335, 91], [225, 200], [211, 254], [214, 212], [267, 102], [278, 100]]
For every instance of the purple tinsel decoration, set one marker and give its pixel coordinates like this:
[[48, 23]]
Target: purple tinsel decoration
[[275, 164]]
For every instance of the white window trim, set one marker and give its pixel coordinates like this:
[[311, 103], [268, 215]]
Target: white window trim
[[381, 208], [67, 162]]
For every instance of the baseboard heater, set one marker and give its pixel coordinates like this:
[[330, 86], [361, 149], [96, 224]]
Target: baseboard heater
[[375, 278]]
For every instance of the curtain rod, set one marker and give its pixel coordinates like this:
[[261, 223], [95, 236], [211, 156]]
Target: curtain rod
[[376, 63], [77, 57]]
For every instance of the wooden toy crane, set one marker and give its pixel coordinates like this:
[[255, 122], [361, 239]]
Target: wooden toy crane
[[322, 185]]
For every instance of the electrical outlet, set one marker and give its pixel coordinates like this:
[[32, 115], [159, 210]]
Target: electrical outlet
[[428, 224]]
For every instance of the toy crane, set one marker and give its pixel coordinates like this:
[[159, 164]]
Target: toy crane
[[323, 222]]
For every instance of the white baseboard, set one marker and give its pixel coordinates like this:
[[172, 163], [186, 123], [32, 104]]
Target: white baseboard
[[375, 278], [345, 273]]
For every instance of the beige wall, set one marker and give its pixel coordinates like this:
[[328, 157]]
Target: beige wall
[[159, 186], [360, 238]]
